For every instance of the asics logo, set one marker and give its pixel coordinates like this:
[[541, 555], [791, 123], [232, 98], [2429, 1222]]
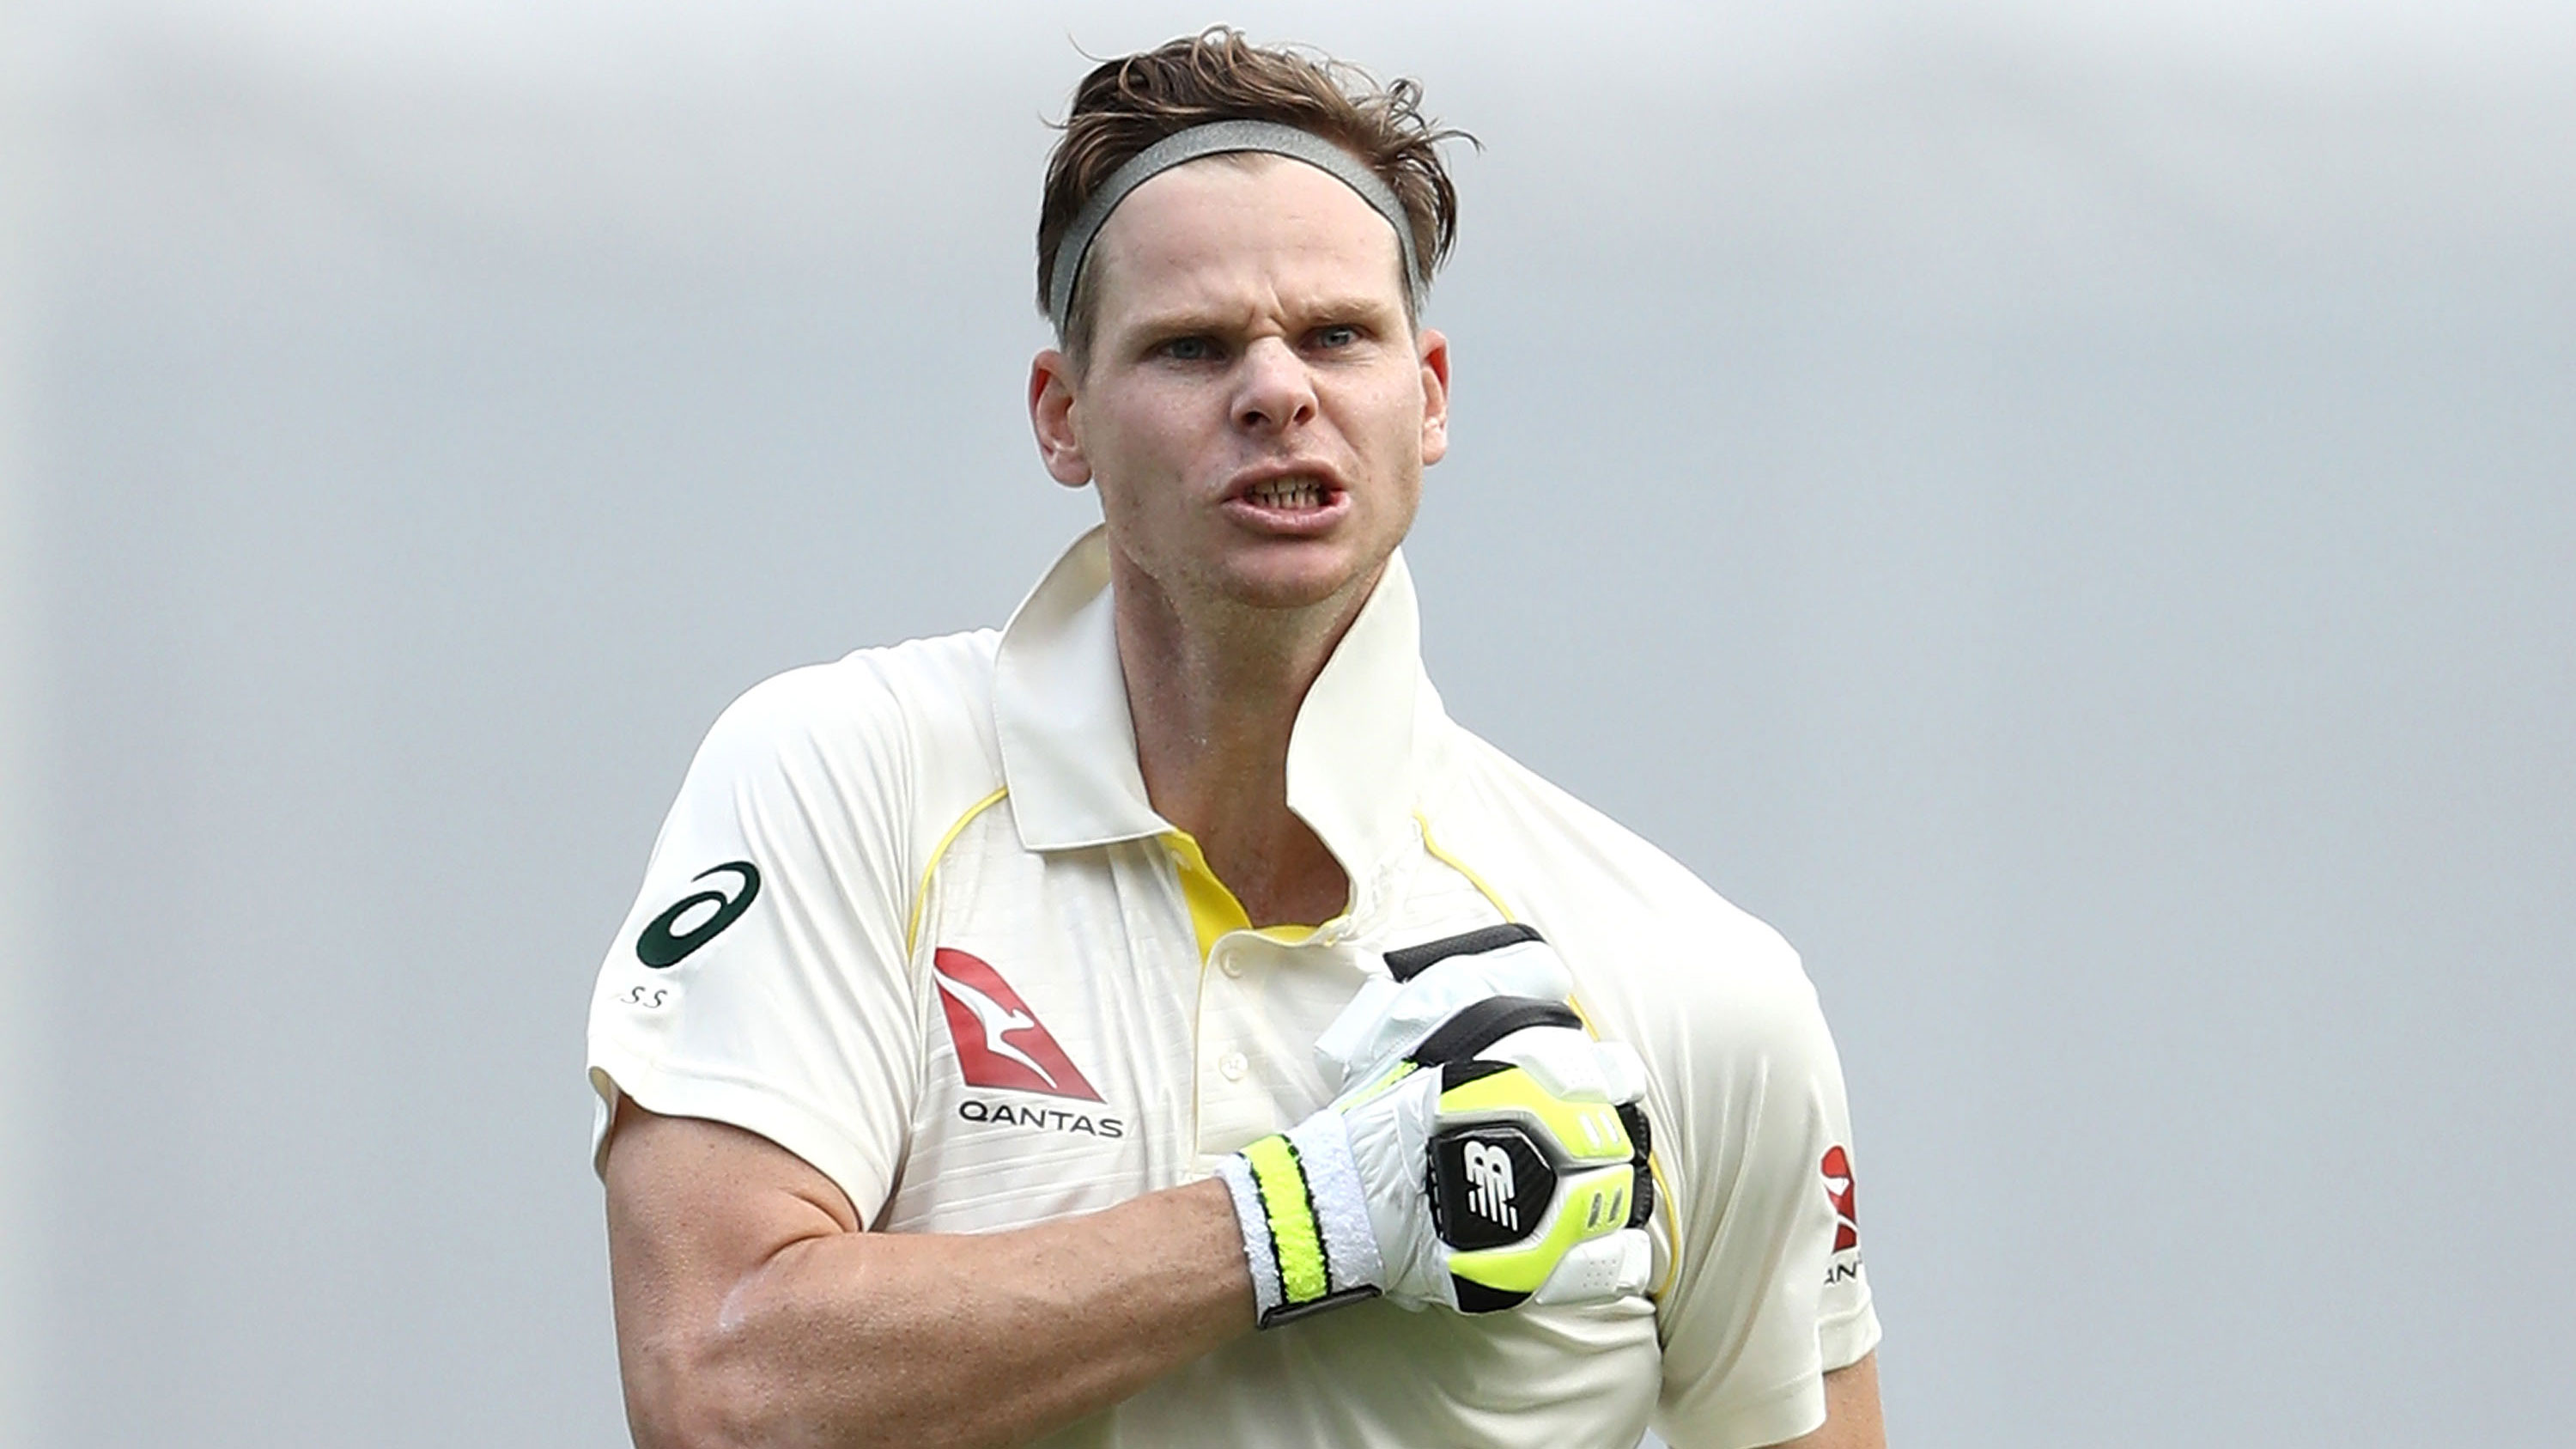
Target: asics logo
[[1489, 1185], [662, 943]]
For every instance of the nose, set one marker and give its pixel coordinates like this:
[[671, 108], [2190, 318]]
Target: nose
[[1275, 392]]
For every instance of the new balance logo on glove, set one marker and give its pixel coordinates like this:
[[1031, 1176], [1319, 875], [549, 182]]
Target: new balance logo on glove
[[1489, 1184]]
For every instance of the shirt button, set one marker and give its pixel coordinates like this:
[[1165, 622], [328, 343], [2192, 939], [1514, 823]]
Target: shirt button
[[1229, 962], [1233, 1065]]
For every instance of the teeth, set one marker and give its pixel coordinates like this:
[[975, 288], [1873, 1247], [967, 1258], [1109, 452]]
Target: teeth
[[1289, 493]]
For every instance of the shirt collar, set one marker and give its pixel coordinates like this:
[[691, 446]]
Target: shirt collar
[[1069, 745]]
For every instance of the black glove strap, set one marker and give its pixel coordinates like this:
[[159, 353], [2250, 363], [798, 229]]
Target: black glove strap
[[1480, 1024], [1410, 962]]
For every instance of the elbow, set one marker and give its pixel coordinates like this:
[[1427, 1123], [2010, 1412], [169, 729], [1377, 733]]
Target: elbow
[[692, 1394]]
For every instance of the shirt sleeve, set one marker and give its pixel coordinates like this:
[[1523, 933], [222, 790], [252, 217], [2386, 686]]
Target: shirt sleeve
[[762, 978], [1767, 1293]]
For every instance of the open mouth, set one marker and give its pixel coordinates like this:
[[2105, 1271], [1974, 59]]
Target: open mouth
[[1288, 495]]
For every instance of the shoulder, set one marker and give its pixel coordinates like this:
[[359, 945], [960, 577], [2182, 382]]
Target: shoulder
[[893, 734], [1660, 959], [870, 697]]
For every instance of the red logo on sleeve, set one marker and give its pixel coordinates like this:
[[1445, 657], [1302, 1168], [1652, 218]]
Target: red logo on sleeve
[[999, 1040], [1839, 1186]]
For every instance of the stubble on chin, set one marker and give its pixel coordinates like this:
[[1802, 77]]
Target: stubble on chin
[[1247, 607]]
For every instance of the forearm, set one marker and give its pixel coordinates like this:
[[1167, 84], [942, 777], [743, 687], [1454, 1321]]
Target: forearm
[[1851, 1411], [847, 1338]]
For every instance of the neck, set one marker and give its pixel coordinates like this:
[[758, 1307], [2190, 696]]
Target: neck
[[1214, 692]]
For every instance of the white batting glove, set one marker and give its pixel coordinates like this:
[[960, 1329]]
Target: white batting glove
[[1494, 1154]]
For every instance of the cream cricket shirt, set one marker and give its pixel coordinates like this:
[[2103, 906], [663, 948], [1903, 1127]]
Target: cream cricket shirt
[[913, 919]]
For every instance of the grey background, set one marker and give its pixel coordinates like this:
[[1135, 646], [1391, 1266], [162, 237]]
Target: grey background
[[2063, 508]]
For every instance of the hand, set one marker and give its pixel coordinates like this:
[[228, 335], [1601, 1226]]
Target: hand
[[1484, 1151], [1424, 986]]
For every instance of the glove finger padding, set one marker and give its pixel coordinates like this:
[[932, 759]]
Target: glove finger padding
[[1424, 987], [1484, 1152]]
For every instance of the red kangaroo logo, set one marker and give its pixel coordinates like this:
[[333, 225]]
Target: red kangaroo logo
[[1000, 1042], [1839, 1187]]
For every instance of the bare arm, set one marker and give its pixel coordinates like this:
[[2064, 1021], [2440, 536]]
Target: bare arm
[[753, 1310], [1851, 1411]]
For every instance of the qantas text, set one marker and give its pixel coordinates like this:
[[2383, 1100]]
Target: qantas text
[[1051, 1119]]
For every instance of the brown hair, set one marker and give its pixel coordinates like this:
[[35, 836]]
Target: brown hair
[[1128, 104]]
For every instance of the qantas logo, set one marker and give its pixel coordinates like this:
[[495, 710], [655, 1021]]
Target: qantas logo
[[1839, 1187], [1489, 1185], [1000, 1042]]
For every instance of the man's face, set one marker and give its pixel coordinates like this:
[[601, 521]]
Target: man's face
[[1255, 410]]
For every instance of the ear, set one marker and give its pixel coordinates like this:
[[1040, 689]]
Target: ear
[[1433, 349], [1051, 418]]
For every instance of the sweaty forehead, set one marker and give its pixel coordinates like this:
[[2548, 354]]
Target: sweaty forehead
[[1235, 227]]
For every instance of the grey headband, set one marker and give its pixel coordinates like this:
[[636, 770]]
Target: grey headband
[[1220, 138]]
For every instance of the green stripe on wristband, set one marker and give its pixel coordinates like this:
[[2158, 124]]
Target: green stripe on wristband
[[1282, 1181]]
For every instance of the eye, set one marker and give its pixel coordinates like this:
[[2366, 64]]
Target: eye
[[1190, 349], [1336, 337]]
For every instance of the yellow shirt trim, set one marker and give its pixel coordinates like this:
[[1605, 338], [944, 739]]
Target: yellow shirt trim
[[912, 918], [1214, 909], [1454, 863]]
